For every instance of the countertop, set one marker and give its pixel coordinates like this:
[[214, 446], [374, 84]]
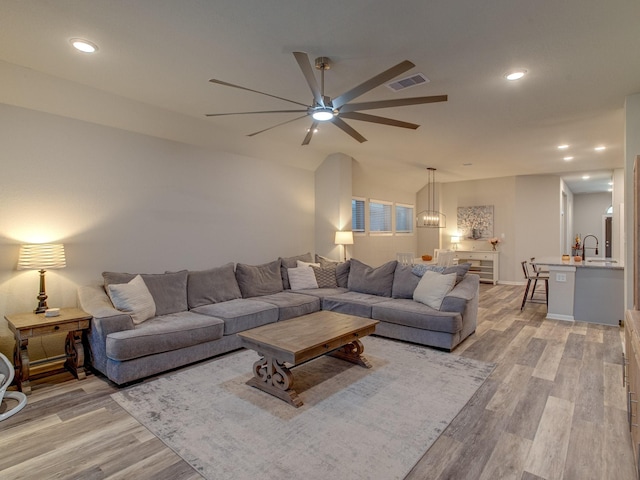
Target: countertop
[[589, 262]]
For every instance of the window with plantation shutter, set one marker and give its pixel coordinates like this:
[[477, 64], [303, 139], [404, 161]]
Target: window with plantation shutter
[[380, 217], [357, 215], [404, 218]]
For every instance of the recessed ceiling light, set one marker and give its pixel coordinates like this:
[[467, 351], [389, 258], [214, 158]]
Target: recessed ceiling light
[[515, 75], [563, 147], [567, 159], [586, 177], [84, 46], [600, 148]]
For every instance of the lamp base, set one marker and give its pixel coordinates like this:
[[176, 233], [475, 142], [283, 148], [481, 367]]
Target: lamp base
[[42, 296]]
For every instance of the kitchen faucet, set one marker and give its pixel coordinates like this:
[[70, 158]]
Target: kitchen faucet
[[584, 243]]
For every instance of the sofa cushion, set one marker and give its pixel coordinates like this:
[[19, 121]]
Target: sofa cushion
[[352, 303], [433, 287], [292, 262], [133, 298], [163, 334], [326, 276], [374, 281], [322, 292], [404, 282], [257, 280], [241, 314], [291, 304], [302, 277], [417, 315], [342, 269], [169, 290], [212, 286]]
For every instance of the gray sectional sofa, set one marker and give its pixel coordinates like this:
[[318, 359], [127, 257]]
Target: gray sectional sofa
[[199, 313]]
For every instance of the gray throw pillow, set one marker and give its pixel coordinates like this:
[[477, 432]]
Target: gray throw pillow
[[258, 280], [292, 262], [460, 271], [404, 282], [374, 281], [215, 285], [169, 290]]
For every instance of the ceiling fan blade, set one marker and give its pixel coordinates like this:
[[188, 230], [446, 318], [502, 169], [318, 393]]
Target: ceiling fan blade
[[399, 102], [305, 65], [372, 83], [227, 84], [346, 128], [249, 113], [375, 119], [274, 126], [310, 133]]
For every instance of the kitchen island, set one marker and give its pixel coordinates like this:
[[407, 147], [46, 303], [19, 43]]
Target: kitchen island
[[591, 290]]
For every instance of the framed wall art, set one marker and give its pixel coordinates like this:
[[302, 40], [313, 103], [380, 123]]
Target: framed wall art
[[476, 223]]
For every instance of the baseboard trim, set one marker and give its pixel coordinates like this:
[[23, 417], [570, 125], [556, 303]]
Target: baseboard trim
[[564, 318]]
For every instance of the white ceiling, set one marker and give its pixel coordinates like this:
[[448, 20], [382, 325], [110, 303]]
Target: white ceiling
[[581, 55]]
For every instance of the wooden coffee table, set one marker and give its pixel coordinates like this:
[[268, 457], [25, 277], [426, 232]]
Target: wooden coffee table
[[299, 340]]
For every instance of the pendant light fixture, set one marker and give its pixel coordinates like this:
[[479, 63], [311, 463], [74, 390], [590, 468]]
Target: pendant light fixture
[[431, 217]]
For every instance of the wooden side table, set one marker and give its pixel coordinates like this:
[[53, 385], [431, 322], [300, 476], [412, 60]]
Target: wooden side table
[[30, 325]]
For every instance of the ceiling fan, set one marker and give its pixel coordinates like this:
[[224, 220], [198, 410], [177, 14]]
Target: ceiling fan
[[326, 109]]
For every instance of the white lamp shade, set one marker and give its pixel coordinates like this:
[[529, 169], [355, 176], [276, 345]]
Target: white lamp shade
[[344, 238], [455, 239], [41, 256]]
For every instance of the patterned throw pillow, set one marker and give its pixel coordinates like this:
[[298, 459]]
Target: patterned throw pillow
[[326, 277], [420, 270]]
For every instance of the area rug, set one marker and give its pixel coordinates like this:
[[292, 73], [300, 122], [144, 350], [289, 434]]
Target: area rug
[[355, 422]]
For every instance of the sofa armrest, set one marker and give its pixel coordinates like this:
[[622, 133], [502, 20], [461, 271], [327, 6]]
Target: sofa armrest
[[465, 291], [94, 301]]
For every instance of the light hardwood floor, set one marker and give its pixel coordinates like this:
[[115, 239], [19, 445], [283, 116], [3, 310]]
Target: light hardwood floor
[[553, 408]]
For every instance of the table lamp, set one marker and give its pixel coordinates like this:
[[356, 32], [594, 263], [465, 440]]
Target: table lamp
[[344, 239], [455, 240], [42, 257]]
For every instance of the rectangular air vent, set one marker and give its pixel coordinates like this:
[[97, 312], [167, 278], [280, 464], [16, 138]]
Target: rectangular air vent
[[412, 81]]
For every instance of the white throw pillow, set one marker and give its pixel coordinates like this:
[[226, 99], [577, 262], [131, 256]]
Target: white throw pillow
[[301, 278], [300, 263], [133, 298], [433, 287]]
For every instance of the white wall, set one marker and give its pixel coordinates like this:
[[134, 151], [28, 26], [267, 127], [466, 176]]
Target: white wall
[[129, 202], [499, 192], [588, 210], [377, 249], [333, 186]]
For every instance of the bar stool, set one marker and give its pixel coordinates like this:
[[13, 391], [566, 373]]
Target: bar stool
[[533, 278]]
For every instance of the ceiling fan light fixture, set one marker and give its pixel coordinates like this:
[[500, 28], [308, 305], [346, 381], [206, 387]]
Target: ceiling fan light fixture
[[323, 114]]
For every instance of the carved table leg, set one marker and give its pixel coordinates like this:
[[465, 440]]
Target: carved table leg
[[273, 377], [21, 361], [352, 352], [75, 354]]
